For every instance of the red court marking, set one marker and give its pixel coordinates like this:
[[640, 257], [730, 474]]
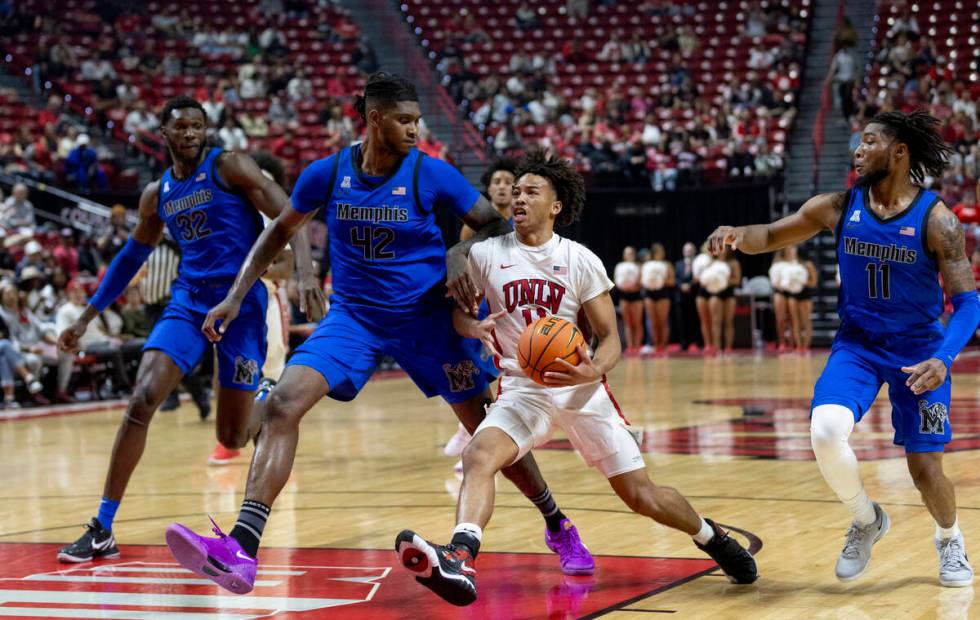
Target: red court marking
[[774, 428], [320, 583]]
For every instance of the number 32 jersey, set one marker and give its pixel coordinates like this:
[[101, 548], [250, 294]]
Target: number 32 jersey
[[554, 279], [214, 226], [889, 277]]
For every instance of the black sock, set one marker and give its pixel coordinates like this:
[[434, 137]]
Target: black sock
[[468, 541], [549, 510], [251, 522]]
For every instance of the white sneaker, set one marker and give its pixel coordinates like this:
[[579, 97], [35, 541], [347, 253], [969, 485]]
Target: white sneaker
[[458, 442], [34, 386], [856, 554], [647, 350], [954, 567]]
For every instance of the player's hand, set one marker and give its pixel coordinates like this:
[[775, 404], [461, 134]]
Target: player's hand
[[925, 376], [484, 331], [585, 372], [460, 284], [68, 340], [723, 235], [223, 313], [312, 301]]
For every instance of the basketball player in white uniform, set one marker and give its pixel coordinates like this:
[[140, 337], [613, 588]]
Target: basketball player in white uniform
[[525, 275]]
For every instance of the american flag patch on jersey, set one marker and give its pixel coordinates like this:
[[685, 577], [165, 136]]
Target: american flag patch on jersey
[[907, 230], [559, 270], [201, 177], [398, 191]]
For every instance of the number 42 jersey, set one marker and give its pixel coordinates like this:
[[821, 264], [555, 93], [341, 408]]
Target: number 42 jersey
[[530, 282], [889, 278]]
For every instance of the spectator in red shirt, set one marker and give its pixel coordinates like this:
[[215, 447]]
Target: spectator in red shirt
[[51, 113], [66, 253]]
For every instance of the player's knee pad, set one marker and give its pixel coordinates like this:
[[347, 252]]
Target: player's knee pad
[[830, 427]]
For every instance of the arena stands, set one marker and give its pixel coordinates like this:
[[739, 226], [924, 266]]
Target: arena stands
[[927, 55], [654, 93]]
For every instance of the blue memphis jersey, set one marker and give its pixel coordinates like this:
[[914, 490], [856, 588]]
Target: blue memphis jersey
[[889, 278], [385, 247], [214, 226]]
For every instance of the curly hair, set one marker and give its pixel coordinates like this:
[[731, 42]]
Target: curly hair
[[267, 162], [568, 184], [919, 130], [384, 90], [507, 164]]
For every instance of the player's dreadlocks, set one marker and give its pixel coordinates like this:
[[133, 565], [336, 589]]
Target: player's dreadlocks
[[178, 103], [928, 153], [507, 164], [569, 185], [384, 90]]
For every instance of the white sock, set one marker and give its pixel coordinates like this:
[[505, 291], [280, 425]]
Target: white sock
[[945, 533], [705, 535], [472, 529], [830, 427]]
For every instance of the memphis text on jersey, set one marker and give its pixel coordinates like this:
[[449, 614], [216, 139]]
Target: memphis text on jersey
[[893, 253], [200, 197], [384, 213], [533, 292]]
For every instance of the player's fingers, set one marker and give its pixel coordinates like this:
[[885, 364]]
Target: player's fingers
[[497, 315], [565, 364], [914, 373], [491, 346], [556, 378]]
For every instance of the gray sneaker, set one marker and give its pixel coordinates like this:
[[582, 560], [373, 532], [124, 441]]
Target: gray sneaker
[[856, 555], [954, 567]]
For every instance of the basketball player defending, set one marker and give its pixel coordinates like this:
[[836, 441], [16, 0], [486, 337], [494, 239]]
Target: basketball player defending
[[498, 182], [389, 268], [893, 238], [566, 279], [210, 201]]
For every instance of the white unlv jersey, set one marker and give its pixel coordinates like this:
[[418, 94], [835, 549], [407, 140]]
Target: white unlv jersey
[[529, 282]]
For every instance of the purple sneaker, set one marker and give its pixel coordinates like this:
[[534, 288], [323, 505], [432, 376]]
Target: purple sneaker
[[221, 559], [572, 552]]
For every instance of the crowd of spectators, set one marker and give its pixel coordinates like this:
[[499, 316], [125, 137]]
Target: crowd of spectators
[[668, 135], [114, 63], [912, 69]]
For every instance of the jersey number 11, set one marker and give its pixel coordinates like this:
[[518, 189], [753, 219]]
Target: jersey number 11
[[873, 289]]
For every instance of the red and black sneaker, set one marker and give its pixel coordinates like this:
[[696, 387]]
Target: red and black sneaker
[[445, 569]]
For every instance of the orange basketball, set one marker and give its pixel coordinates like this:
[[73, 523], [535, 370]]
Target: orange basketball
[[544, 340]]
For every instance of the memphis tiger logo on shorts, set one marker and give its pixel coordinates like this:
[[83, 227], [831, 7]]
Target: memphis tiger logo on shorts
[[461, 375], [246, 371], [932, 418]]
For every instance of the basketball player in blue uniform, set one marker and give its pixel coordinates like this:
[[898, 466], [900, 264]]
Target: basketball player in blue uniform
[[390, 269], [209, 201], [894, 238]]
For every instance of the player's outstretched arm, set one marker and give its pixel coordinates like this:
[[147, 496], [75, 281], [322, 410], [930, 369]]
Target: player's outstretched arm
[[123, 268], [241, 172], [819, 213], [487, 222], [602, 317], [946, 240]]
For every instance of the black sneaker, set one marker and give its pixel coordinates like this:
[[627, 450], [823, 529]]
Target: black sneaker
[[96, 543], [441, 568], [737, 563]]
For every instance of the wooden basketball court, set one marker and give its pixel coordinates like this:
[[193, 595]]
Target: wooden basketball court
[[730, 433]]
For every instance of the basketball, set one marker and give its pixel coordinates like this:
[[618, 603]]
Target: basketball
[[544, 340]]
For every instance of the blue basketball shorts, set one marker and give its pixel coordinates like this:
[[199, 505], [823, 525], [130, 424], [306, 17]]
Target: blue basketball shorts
[[860, 363], [241, 350], [348, 343]]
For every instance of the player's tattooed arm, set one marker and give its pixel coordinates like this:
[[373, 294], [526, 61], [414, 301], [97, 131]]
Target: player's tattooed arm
[[487, 222], [946, 240], [818, 213]]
